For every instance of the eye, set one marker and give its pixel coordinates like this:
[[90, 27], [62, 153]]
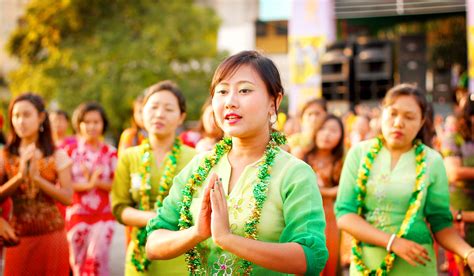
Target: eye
[[245, 91], [221, 91]]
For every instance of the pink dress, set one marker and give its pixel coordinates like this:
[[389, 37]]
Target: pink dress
[[89, 220]]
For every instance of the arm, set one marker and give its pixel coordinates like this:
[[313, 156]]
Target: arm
[[122, 201], [301, 248], [329, 192], [10, 186], [134, 217], [63, 194], [456, 171], [166, 244]]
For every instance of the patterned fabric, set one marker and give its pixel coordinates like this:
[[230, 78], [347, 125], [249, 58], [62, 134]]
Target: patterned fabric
[[89, 219], [293, 212], [43, 246], [89, 246], [387, 200], [34, 212]]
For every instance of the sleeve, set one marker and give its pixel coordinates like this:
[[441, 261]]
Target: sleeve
[[304, 216], [167, 216], [62, 160], [121, 197], [346, 194], [437, 199], [450, 145]]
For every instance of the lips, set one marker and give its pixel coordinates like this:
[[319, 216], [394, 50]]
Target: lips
[[397, 134], [232, 118], [158, 124]]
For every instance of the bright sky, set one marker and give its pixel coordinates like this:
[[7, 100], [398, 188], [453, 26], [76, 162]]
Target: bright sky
[[274, 10]]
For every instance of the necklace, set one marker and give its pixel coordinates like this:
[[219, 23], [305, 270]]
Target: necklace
[[414, 204], [193, 257], [139, 259]]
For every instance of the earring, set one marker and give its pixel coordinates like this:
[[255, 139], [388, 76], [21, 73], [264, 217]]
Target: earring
[[41, 128], [273, 119]]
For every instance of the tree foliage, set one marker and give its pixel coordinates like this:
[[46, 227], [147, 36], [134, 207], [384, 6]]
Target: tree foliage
[[110, 50]]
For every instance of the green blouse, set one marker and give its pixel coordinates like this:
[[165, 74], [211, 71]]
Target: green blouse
[[125, 193], [389, 191], [293, 212]]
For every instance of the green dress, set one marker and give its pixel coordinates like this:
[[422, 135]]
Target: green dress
[[293, 212], [125, 193], [387, 200]]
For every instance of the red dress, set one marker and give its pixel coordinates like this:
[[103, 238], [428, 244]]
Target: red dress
[[89, 220]]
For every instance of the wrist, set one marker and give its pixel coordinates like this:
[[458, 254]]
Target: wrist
[[196, 237], [224, 241], [467, 255], [390, 243]]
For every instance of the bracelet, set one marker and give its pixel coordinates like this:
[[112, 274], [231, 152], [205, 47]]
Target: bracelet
[[390, 242], [468, 253], [459, 216]]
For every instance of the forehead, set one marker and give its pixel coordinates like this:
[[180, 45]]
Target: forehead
[[162, 97], [244, 73], [405, 104], [23, 106], [332, 123], [92, 115]]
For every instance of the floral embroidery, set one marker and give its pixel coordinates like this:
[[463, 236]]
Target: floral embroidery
[[223, 266], [235, 207]]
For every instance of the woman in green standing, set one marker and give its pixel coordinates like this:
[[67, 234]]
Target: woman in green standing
[[145, 173], [246, 207], [393, 189]]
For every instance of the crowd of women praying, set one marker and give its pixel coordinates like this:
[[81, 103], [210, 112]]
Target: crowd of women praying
[[381, 191]]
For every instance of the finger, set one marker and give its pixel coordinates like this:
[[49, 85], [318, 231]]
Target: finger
[[421, 251], [417, 258], [223, 195], [409, 260]]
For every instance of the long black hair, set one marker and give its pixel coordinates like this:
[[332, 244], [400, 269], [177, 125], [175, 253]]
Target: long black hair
[[45, 140]]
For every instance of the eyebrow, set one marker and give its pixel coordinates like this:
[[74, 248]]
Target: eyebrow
[[406, 112], [239, 82]]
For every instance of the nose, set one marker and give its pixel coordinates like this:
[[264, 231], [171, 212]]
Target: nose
[[398, 122], [231, 100]]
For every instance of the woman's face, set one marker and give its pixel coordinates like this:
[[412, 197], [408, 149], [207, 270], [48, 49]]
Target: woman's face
[[329, 135], [161, 114], [59, 123], [312, 117], [26, 119], [401, 121], [242, 104], [92, 126]]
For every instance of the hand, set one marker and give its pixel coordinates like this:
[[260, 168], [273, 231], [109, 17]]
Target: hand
[[8, 234], [410, 251], [219, 217], [93, 180], [25, 157], [203, 224]]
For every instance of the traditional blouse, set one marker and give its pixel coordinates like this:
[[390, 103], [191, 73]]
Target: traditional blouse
[[388, 195], [389, 192], [126, 193], [35, 212], [292, 212]]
